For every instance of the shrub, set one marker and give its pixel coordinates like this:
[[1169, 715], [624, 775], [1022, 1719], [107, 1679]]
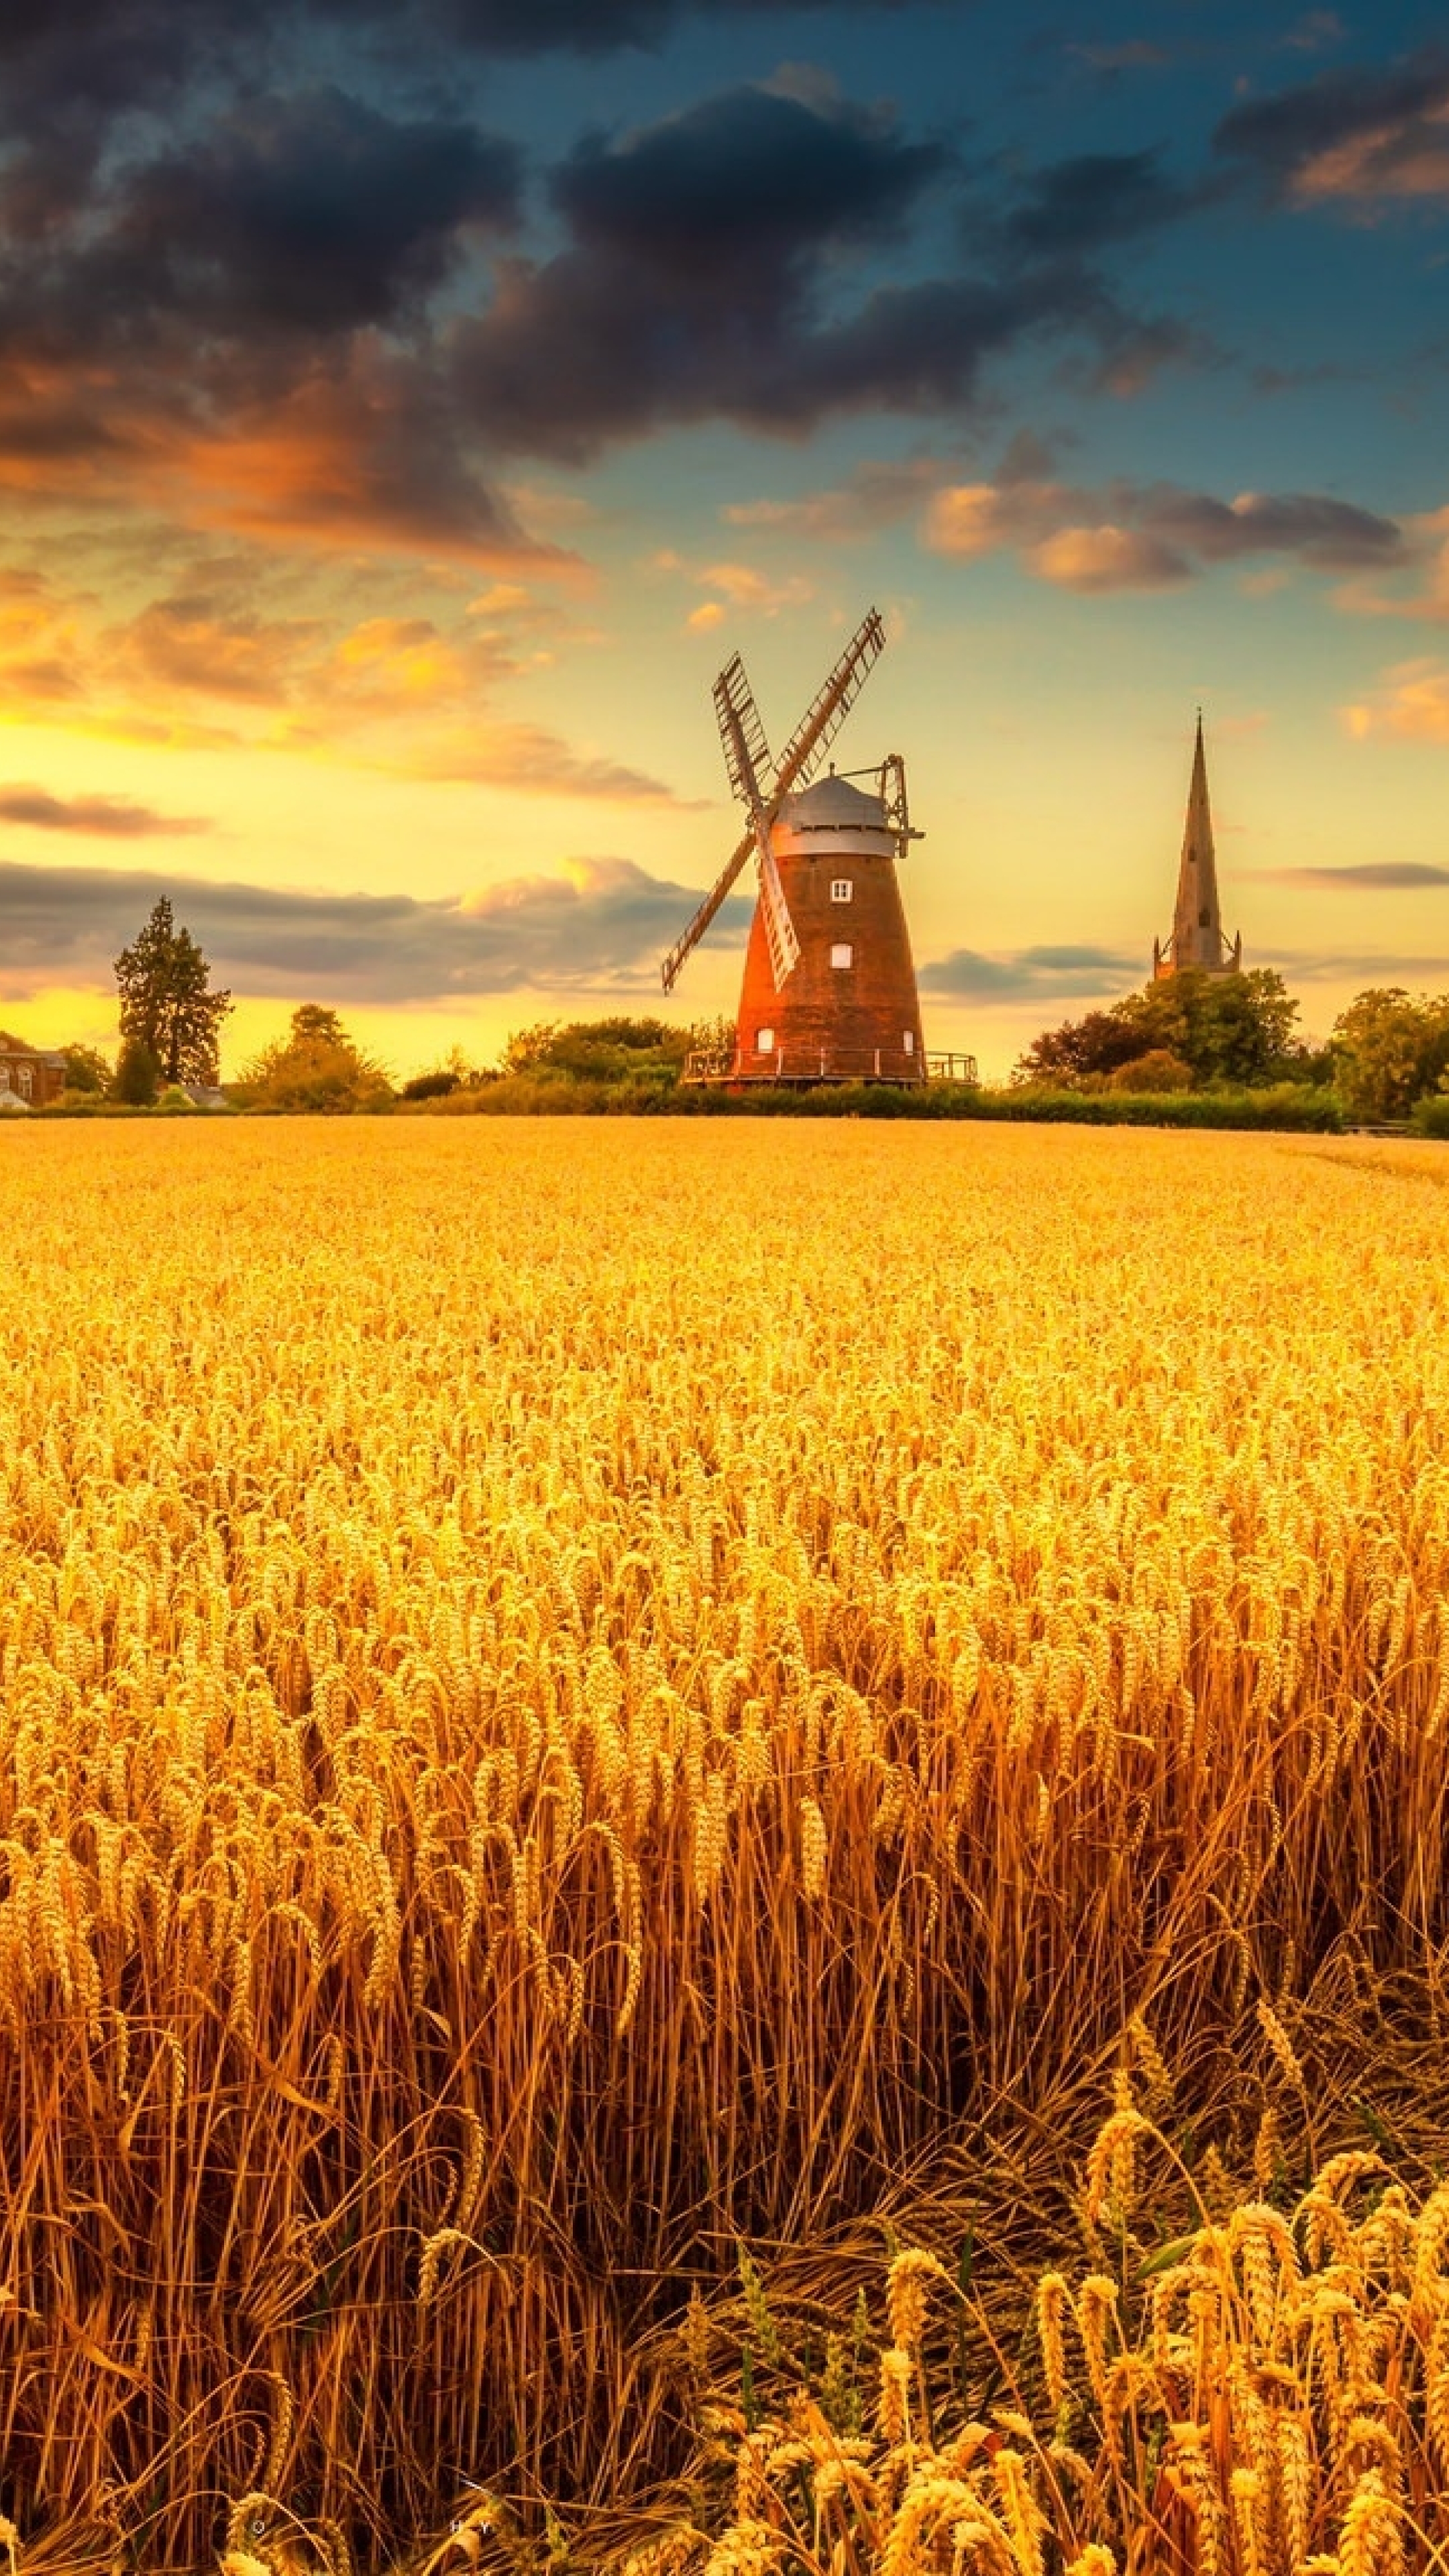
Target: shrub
[[1158, 1070], [138, 1075], [432, 1086], [1431, 1115]]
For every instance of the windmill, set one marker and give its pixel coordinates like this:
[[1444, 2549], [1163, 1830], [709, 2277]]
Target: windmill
[[829, 988]]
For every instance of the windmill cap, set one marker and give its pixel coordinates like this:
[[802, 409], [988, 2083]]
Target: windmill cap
[[832, 805]]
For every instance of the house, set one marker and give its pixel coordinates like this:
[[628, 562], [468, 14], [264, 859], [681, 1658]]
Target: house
[[32, 1075]]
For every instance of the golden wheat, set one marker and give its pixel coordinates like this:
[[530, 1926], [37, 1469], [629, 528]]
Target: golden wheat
[[568, 1707], [1227, 2447]]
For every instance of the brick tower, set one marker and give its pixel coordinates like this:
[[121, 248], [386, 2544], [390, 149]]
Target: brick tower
[[847, 1011], [1198, 943]]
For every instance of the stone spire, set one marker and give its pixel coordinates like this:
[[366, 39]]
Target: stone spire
[[1197, 941]]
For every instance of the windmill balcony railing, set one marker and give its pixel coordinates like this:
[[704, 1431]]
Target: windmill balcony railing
[[826, 1064]]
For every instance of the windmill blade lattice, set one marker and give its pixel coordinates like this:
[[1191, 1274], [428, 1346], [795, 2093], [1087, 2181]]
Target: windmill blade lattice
[[832, 703], [742, 735], [747, 758]]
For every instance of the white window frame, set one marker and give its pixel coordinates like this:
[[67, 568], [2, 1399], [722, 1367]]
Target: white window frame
[[842, 955], [26, 1077], [908, 1041], [842, 889], [764, 1041]]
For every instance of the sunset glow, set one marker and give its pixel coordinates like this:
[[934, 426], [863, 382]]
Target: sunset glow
[[404, 412]]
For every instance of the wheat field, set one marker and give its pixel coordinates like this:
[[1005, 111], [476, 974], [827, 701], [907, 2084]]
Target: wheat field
[[617, 1746]]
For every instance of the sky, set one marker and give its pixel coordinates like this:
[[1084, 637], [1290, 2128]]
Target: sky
[[406, 406]]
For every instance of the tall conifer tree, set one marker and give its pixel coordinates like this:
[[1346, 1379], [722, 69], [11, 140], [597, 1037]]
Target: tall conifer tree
[[167, 1001]]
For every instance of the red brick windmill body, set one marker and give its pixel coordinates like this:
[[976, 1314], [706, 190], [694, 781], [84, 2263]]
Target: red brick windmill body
[[829, 991]]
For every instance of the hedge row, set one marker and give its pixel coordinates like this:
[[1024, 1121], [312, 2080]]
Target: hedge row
[[1293, 1106]]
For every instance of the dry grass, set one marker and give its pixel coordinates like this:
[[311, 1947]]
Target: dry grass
[[571, 1704]]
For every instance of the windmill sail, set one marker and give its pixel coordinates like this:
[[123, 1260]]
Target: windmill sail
[[780, 934], [742, 735], [832, 703], [689, 939], [746, 752]]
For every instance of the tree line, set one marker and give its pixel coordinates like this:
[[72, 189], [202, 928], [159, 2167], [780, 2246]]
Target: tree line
[[1387, 1057]]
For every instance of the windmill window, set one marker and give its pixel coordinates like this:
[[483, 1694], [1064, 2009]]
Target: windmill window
[[842, 954], [841, 890], [764, 1042], [908, 1041]]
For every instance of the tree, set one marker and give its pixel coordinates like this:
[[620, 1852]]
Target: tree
[[1227, 1029], [316, 1068], [613, 1050], [595, 1050], [138, 1075], [1096, 1044], [167, 1001], [86, 1069], [1390, 1048]]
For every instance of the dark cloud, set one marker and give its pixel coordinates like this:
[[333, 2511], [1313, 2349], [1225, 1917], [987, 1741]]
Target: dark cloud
[[1124, 536], [970, 975], [1098, 197], [605, 922], [114, 817], [741, 184], [271, 324], [702, 279], [594, 26], [1358, 966], [1332, 535], [110, 38], [312, 213], [1386, 875], [1353, 132]]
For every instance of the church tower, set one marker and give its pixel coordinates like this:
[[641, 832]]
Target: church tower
[[1197, 943]]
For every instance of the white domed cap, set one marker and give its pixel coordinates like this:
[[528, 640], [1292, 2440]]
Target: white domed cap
[[833, 805]]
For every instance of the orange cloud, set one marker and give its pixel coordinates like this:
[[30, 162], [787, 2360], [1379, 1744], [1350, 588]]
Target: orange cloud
[[401, 661], [1107, 558], [195, 645], [532, 761], [1403, 157], [966, 520], [744, 587], [1413, 706]]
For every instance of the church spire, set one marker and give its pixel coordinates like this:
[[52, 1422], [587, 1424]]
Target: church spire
[[1197, 941]]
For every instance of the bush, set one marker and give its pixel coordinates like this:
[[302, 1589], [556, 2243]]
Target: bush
[[1158, 1070], [1431, 1115], [138, 1076], [432, 1086]]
